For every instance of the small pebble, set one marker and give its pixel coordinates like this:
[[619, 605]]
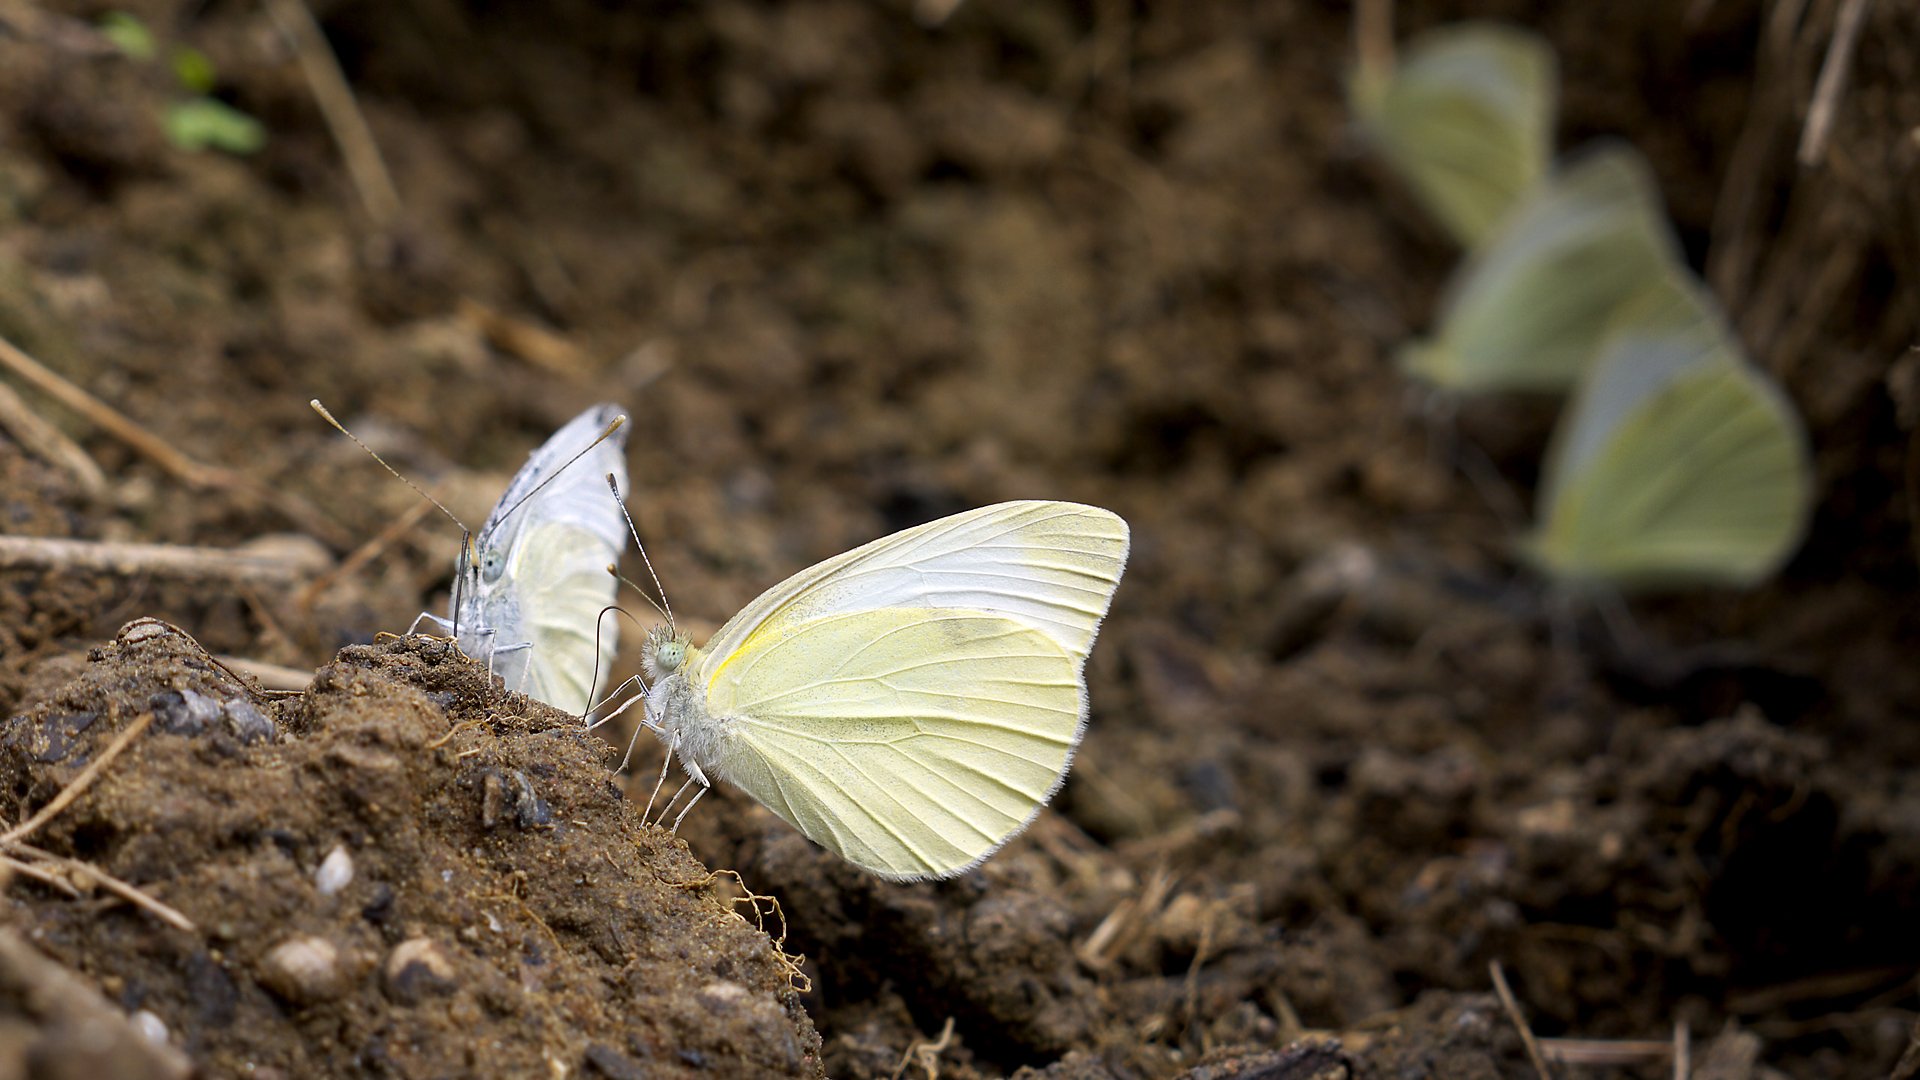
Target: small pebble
[[183, 712], [416, 968], [302, 970], [140, 630], [151, 1027], [247, 722], [335, 872]]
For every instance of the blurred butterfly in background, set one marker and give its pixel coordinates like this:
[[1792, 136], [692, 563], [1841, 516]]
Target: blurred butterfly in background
[[909, 705], [529, 589], [1528, 309], [1677, 461], [1466, 118]]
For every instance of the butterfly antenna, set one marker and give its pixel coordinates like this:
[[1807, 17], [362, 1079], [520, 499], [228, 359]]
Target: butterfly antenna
[[617, 423], [664, 607], [417, 490], [634, 585], [467, 554]]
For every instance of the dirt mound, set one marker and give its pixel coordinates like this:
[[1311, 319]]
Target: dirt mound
[[402, 871]]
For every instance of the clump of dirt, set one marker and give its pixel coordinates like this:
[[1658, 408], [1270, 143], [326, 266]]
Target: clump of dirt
[[401, 871]]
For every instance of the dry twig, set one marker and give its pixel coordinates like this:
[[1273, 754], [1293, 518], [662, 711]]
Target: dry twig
[[49, 443], [80, 783], [1519, 1019], [1833, 80], [1373, 38], [17, 852], [339, 109], [362, 555], [159, 560], [160, 452], [536, 345], [1609, 1052], [129, 893], [273, 678]]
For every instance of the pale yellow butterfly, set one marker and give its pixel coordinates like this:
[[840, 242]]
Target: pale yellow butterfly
[[1528, 310], [913, 703], [1466, 117], [1677, 462]]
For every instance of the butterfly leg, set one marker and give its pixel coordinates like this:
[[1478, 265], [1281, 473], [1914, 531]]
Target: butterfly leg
[[690, 804], [519, 684], [640, 694], [665, 763], [428, 617]]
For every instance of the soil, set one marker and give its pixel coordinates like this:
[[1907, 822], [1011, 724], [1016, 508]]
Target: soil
[[1349, 764]]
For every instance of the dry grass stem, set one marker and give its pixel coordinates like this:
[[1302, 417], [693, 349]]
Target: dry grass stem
[[1609, 1052], [1519, 1019], [536, 345], [80, 783], [1833, 81], [362, 555], [160, 452], [273, 678], [1373, 38], [926, 1053], [339, 109], [88, 871], [40, 438], [45, 877], [158, 560]]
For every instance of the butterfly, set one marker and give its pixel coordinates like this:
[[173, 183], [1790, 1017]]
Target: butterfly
[[1529, 308], [529, 589], [1677, 462], [1466, 117], [910, 704]]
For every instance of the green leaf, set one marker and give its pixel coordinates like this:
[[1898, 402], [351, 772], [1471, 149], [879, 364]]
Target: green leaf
[[128, 34], [193, 69], [201, 123]]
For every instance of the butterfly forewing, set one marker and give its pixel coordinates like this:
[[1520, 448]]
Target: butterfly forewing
[[552, 535]]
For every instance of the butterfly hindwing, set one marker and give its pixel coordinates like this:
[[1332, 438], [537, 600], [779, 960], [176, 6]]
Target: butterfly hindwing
[[912, 741]]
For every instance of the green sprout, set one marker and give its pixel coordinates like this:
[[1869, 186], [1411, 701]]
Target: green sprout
[[196, 120]]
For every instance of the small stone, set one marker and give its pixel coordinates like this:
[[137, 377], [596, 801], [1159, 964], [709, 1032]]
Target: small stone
[[150, 1027], [493, 799], [183, 712], [335, 872], [140, 630], [416, 969], [302, 970], [247, 722]]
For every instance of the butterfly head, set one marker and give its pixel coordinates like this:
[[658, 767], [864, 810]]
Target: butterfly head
[[665, 652]]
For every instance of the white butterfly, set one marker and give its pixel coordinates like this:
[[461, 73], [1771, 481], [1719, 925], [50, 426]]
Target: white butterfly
[[913, 703], [529, 591]]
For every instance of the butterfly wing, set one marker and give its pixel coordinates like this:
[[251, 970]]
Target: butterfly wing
[[912, 703], [1467, 118], [1529, 310], [1678, 463], [911, 741], [551, 538], [1049, 565]]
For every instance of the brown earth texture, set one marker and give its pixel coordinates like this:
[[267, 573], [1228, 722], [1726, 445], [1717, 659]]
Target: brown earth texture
[[1352, 770]]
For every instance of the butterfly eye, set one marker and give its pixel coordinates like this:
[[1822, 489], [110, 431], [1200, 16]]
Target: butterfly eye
[[671, 655], [492, 565]]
